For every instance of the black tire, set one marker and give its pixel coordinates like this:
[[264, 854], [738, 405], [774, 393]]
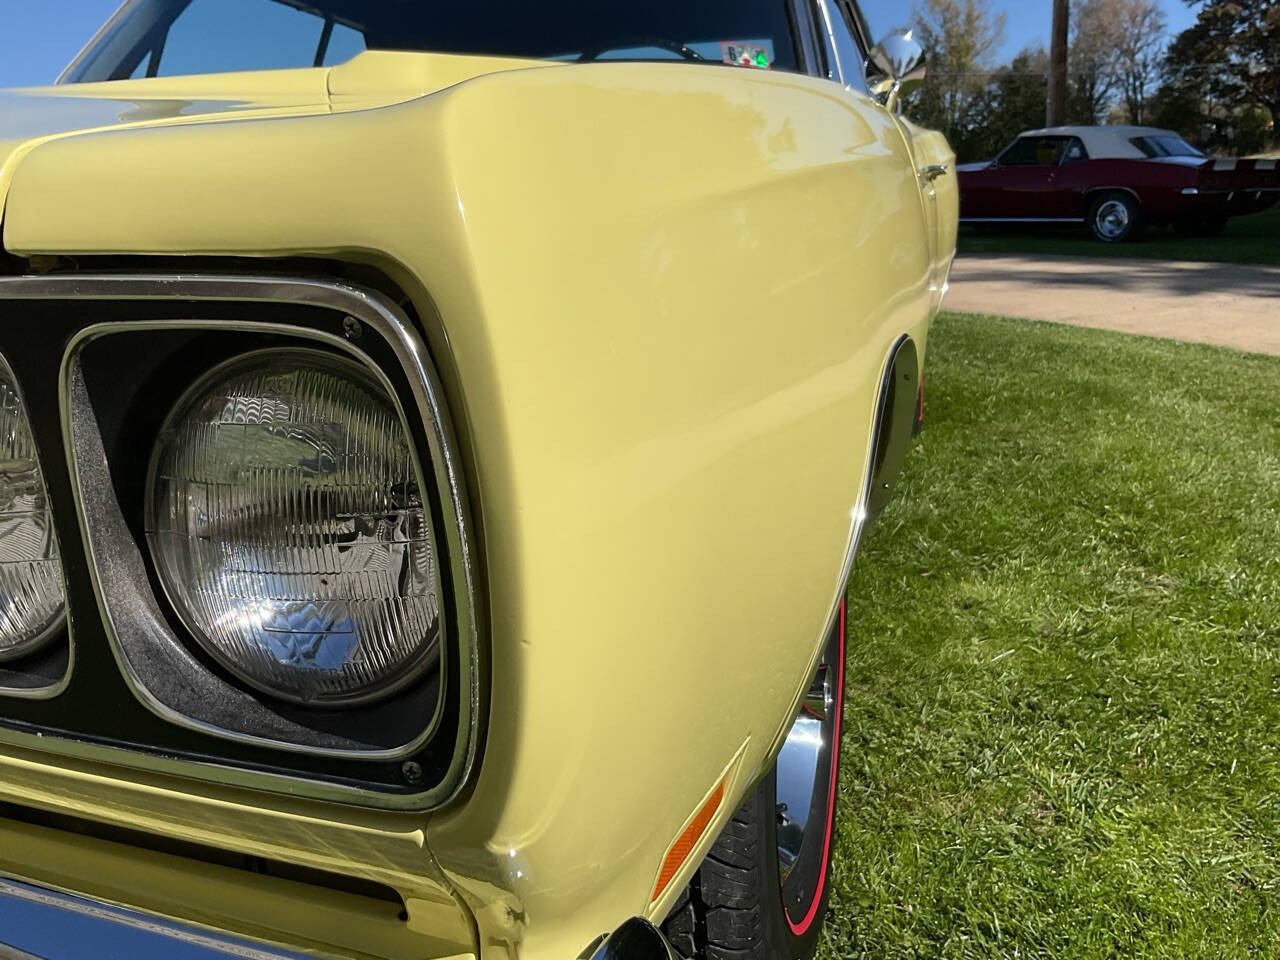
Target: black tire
[[1116, 217], [734, 908]]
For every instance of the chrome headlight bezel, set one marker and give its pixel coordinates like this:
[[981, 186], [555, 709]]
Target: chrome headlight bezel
[[412, 751]]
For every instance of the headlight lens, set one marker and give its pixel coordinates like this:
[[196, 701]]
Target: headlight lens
[[32, 598], [287, 524]]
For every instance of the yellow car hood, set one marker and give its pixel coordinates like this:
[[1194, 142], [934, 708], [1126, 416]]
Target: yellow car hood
[[32, 117]]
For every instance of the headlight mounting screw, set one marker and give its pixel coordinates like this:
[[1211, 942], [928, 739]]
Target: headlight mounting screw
[[412, 773], [351, 328]]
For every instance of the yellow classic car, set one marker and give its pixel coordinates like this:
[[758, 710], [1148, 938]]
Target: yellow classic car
[[436, 439]]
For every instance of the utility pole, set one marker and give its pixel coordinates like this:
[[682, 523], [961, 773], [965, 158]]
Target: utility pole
[[1056, 111]]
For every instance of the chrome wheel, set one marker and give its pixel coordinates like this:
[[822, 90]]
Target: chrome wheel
[[806, 785], [1112, 219]]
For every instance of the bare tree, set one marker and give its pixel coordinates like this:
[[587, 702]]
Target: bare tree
[[1140, 54], [962, 38], [1096, 34]]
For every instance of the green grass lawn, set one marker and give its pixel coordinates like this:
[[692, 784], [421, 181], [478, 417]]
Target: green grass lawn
[[1062, 733], [1254, 239]]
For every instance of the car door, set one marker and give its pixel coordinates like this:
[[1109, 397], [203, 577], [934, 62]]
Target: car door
[[847, 51], [1023, 178], [940, 189], [1068, 184]]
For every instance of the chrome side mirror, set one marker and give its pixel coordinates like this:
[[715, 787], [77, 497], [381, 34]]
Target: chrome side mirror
[[899, 61]]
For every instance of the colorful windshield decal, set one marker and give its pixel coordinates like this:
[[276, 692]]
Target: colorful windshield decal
[[744, 54]]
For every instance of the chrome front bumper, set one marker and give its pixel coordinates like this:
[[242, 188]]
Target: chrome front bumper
[[44, 924], [40, 924]]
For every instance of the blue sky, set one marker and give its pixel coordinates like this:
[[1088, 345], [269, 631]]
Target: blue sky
[[39, 37]]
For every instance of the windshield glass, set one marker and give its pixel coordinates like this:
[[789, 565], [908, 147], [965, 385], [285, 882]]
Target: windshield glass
[[1166, 145], [158, 38]]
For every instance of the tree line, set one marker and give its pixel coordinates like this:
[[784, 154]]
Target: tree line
[[1217, 83]]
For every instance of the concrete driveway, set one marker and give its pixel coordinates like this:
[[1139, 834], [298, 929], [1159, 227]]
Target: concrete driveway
[[1223, 304]]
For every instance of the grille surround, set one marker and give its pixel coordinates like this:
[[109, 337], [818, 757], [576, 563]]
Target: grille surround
[[347, 319]]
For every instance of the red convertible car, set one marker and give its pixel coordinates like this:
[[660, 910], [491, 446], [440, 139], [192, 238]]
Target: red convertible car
[[1117, 180]]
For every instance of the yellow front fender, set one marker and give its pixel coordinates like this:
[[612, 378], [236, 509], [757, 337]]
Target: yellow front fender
[[663, 298]]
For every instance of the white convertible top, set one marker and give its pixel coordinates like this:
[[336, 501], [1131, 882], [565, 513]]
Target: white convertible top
[[1107, 142]]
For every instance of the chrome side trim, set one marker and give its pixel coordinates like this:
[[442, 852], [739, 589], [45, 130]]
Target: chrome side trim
[[102, 31], [410, 349], [1229, 193], [831, 43], [105, 930]]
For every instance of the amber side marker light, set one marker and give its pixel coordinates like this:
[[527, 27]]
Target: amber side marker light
[[687, 840]]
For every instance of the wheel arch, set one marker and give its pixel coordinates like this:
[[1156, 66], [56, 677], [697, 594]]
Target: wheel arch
[[894, 425], [892, 431], [1094, 192]]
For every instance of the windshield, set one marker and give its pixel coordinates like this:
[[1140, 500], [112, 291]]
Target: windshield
[[1165, 145], [157, 38]]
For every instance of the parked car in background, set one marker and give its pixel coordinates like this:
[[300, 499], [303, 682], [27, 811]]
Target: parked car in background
[[1117, 180], [436, 439]]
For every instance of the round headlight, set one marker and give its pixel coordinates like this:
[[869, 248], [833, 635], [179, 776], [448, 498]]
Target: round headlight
[[32, 598], [288, 527]]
